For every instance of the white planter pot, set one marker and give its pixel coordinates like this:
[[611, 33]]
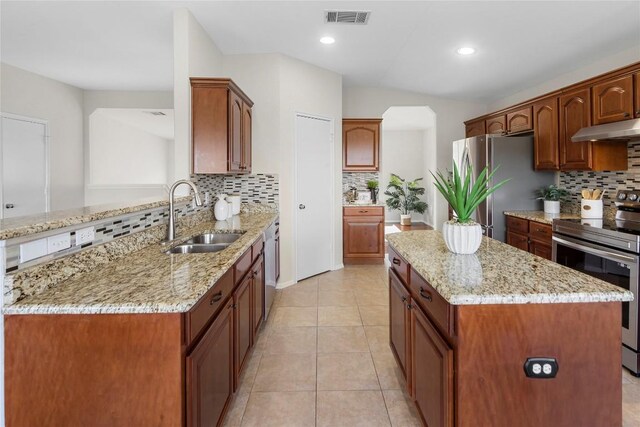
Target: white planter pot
[[462, 238], [551, 207], [405, 219]]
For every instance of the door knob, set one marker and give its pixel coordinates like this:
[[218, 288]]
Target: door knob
[[9, 206], [301, 206]]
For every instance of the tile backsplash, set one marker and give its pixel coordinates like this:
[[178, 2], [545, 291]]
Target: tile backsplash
[[611, 181], [358, 179], [254, 188]]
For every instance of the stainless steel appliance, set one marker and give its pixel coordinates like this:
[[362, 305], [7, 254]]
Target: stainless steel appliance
[[270, 266], [514, 156], [610, 251]]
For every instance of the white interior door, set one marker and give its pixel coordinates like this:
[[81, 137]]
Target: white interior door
[[24, 167], [313, 196]]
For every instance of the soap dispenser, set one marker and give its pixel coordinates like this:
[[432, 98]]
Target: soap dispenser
[[221, 208]]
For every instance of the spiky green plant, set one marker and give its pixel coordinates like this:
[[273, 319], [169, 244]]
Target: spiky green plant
[[403, 195], [463, 196]]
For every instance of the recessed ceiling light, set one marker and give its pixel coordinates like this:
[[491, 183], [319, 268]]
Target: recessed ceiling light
[[466, 51], [327, 40]]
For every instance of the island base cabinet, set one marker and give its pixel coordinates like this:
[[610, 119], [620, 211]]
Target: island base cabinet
[[243, 325], [399, 322], [210, 373]]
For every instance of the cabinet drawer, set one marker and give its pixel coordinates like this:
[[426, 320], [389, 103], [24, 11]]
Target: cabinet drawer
[[242, 266], [364, 211], [540, 231], [517, 224], [399, 265], [206, 308], [436, 307], [257, 247]]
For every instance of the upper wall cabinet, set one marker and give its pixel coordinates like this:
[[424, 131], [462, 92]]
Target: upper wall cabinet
[[475, 129], [575, 113], [221, 127], [497, 125], [361, 145], [519, 120], [613, 100], [545, 134], [637, 85]]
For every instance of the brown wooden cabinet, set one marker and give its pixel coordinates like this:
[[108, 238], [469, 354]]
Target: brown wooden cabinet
[[361, 145], [636, 84], [399, 321], [363, 234], [242, 325], [517, 240], [220, 127], [530, 236], [496, 125], [258, 294], [575, 113], [613, 100], [545, 134], [209, 374], [475, 128], [277, 257], [519, 120]]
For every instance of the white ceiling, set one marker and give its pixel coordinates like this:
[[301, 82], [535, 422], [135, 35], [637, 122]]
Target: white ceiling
[[406, 45]]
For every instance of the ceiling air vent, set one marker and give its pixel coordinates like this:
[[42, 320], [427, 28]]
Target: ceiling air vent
[[347, 16], [156, 113]]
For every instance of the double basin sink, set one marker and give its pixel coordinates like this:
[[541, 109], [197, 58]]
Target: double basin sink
[[205, 243]]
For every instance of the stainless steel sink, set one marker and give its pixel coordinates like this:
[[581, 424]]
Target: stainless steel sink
[[214, 238], [197, 248]]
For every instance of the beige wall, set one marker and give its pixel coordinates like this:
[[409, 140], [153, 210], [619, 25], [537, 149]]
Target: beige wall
[[31, 95]]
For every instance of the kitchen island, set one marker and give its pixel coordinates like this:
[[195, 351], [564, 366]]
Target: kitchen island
[[503, 337]]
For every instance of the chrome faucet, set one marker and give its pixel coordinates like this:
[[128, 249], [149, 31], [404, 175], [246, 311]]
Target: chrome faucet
[[171, 230]]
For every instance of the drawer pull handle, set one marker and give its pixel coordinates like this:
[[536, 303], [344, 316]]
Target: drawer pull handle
[[363, 211], [425, 296], [404, 299], [215, 298], [396, 261]]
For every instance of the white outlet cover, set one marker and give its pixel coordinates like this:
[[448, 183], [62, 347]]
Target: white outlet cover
[[33, 250], [85, 235], [58, 242]]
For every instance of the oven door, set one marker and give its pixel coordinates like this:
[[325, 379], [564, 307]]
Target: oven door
[[613, 266]]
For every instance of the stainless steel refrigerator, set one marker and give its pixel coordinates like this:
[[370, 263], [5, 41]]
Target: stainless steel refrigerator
[[513, 156]]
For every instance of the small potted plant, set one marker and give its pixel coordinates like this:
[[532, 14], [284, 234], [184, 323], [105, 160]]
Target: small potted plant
[[463, 235], [404, 195], [373, 188], [552, 196]]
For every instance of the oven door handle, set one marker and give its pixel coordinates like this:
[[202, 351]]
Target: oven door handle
[[589, 248]]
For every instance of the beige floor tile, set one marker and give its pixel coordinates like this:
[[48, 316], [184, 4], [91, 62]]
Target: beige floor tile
[[351, 409], [299, 298], [374, 315], [295, 316], [236, 410], [377, 337], [292, 340], [286, 372], [281, 409], [346, 371], [336, 298], [402, 411], [342, 339], [631, 403], [249, 374], [389, 373], [370, 297], [338, 316]]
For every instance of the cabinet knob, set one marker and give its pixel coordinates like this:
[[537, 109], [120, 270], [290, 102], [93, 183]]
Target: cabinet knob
[[396, 261], [425, 295], [404, 299], [215, 298]]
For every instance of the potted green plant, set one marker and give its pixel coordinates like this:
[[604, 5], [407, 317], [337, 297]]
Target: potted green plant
[[372, 185], [404, 195], [552, 197], [463, 235]]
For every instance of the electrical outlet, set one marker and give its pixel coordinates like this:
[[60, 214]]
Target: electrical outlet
[[541, 367], [33, 250], [58, 242], [85, 235]]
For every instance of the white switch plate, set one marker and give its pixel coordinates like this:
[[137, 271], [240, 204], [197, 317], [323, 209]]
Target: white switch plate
[[58, 242], [85, 235], [33, 250]]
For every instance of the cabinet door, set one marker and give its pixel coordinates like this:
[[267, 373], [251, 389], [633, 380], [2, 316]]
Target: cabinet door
[[475, 128], [246, 138], [613, 100], [431, 371], [399, 321], [636, 84], [210, 373], [209, 123], [517, 240], [258, 294], [277, 257], [497, 125], [235, 132], [360, 145], [242, 324], [575, 113], [363, 236], [545, 134], [519, 120], [541, 249]]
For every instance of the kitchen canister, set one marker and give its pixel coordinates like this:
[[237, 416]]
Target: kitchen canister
[[221, 208], [591, 208], [235, 204]]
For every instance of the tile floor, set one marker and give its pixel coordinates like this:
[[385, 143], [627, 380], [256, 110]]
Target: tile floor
[[323, 359]]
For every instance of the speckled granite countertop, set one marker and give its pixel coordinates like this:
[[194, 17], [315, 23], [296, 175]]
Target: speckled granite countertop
[[540, 216], [148, 280], [498, 274]]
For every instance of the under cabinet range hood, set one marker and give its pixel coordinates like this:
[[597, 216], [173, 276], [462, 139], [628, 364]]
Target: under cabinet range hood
[[625, 130]]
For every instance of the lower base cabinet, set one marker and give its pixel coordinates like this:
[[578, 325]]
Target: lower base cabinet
[[399, 321], [530, 236], [242, 325]]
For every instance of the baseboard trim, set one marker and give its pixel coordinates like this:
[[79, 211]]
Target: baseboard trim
[[286, 284]]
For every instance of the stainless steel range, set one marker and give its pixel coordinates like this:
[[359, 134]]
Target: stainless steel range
[[608, 250]]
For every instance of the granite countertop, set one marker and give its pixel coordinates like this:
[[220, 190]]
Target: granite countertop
[[498, 274], [148, 280], [540, 216], [363, 205]]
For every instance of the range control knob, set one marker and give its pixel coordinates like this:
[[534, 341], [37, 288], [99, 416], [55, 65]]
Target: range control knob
[[622, 196], [633, 197]]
